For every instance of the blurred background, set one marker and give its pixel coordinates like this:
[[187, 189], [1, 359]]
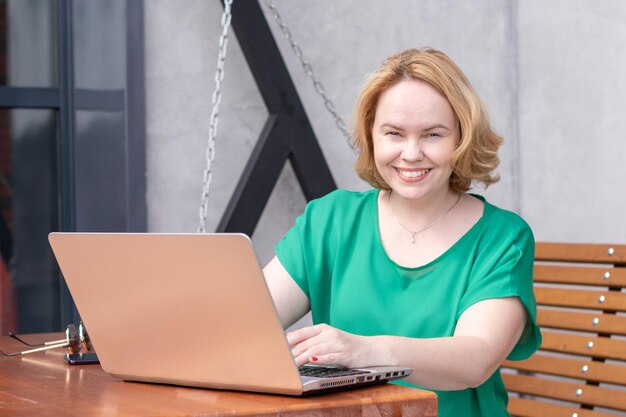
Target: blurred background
[[105, 111]]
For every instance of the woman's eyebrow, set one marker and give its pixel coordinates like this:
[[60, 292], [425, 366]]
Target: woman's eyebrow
[[390, 125], [426, 129], [437, 126]]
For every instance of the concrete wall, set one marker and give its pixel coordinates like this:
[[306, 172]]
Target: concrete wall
[[550, 74], [572, 119]]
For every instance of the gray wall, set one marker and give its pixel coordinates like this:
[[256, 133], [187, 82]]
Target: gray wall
[[550, 73]]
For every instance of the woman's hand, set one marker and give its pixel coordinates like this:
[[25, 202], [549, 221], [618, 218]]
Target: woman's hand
[[326, 345]]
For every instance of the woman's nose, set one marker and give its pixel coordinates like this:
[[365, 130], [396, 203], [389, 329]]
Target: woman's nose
[[412, 150]]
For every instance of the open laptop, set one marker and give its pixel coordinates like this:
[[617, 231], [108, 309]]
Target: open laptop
[[188, 309]]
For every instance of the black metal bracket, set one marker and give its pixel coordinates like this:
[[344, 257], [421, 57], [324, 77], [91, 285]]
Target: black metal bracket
[[287, 134]]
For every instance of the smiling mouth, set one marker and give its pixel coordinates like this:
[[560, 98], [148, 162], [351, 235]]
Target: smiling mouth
[[412, 174]]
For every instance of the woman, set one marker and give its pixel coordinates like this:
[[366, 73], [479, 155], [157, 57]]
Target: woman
[[416, 272]]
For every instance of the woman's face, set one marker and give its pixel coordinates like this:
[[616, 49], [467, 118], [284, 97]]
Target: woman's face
[[415, 133]]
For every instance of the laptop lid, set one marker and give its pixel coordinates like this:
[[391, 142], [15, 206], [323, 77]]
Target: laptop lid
[[180, 309], [187, 309]]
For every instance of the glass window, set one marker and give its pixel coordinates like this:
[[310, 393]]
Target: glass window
[[29, 197], [100, 155], [99, 37], [28, 43], [72, 165], [100, 148]]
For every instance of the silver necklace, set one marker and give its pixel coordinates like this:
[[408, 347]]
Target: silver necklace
[[416, 232]]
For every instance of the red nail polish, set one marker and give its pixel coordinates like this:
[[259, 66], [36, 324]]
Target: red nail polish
[[314, 358]]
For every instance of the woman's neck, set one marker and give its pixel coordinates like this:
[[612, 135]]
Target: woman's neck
[[419, 212]]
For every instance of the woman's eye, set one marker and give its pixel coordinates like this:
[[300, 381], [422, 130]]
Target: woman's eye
[[392, 133], [433, 135]]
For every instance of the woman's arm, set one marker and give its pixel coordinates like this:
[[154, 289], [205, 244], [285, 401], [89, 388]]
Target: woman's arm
[[291, 302], [485, 335]]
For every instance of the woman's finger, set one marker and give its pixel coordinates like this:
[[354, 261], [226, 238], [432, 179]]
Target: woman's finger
[[300, 335]]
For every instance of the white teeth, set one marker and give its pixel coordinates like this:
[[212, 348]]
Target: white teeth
[[412, 174]]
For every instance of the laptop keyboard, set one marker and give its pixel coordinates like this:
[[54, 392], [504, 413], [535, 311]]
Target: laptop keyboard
[[328, 372]]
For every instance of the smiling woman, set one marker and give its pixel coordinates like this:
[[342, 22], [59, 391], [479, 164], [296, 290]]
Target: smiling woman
[[414, 135], [415, 272], [476, 154]]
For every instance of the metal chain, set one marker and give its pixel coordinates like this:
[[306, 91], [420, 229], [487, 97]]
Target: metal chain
[[213, 121], [308, 69]]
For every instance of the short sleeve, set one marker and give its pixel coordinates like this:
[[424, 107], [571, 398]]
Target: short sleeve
[[307, 250], [504, 268], [290, 252]]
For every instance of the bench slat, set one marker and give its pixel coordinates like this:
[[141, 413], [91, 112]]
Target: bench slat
[[566, 391], [581, 315], [597, 347], [609, 276], [572, 368], [522, 407], [592, 322], [600, 300], [580, 252]]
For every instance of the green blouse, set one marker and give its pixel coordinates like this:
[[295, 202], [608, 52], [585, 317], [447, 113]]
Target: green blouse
[[334, 253]]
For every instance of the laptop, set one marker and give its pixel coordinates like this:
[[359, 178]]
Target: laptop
[[190, 310]]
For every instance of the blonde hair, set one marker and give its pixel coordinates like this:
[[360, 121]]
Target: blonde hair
[[476, 154]]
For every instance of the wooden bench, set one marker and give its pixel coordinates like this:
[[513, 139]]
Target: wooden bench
[[580, 369]]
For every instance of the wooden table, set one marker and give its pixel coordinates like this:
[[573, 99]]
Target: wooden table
[[42, 384]]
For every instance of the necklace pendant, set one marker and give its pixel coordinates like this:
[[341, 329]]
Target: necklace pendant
[[414, 233]]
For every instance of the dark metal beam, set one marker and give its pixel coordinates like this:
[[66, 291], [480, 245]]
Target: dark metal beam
[[137, 206], [66, 149], [29, 98], [50, 98], [66, 115], [289, 136], [257, 181]]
